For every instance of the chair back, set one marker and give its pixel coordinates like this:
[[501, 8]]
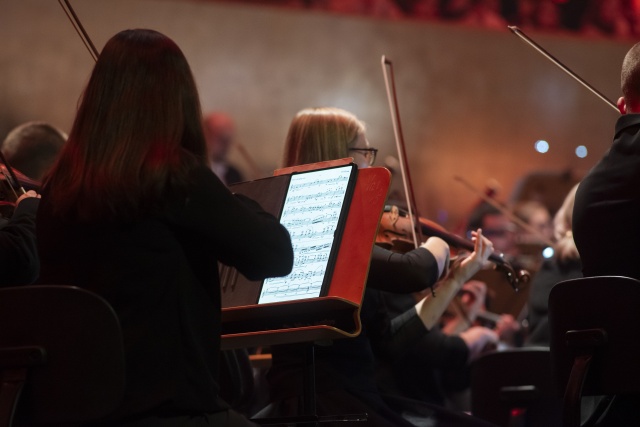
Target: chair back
[[64, 345], [594, 348], [515, 387]]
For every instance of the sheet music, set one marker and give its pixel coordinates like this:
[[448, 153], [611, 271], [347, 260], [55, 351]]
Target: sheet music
[[311, 214]]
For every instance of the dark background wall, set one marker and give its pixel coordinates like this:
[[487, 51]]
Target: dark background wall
[[472, 101]]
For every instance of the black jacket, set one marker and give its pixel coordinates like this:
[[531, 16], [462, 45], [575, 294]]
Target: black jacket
[[160, 275]]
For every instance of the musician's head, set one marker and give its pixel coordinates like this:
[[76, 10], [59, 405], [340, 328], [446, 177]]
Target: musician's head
[[219, 132], [138, 127], [32, 148], [320, 134], [630, 82], [496, 226]]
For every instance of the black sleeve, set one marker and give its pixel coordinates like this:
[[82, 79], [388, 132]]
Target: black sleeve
[[241, 233], [19, 262], [440, 350], [413, 271]]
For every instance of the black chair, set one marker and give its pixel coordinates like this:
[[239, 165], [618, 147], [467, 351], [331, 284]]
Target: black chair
[[515, 387], [237, 385], [594, 346], [61, 356]]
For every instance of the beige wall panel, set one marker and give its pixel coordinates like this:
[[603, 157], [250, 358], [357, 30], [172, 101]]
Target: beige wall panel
[[472, 101]]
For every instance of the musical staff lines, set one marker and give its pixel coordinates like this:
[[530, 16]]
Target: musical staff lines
[[311, 213]]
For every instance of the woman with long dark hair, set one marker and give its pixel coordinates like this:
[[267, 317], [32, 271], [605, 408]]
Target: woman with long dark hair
[[132, 212]]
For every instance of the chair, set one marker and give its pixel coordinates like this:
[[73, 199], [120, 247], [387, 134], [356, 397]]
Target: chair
[[515, 388], [594, 345], [236, 381], [61, 356]]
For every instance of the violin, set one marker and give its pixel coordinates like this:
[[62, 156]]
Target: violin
[[395, 233]]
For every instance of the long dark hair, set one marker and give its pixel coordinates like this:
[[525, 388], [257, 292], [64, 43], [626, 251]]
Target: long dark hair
[[136, 134]]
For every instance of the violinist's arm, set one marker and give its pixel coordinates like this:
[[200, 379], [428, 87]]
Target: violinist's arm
[[467, 307], [237, 230], [431, 307], [413, 271], [19, 262]]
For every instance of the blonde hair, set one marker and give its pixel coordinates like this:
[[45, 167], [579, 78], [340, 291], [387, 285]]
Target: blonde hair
[[565, 247], [319, 134]]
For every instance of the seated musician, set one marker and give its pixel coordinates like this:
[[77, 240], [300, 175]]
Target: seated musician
[[345, 368], [29, 149], [564, 265], [132, 212]]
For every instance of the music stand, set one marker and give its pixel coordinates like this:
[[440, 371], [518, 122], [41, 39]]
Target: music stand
[[334, 316]]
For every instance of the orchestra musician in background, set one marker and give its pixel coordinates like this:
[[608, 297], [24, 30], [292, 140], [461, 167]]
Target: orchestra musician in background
[[220, 132], [30, 149], [132, 211], [345, 369], [564, 265]]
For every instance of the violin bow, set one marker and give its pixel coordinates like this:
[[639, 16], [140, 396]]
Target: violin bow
[[77, 25], [387, 71], [491, 201], [518, 32]]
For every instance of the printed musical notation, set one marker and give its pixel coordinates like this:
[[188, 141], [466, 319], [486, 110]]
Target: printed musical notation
[[311, 214]]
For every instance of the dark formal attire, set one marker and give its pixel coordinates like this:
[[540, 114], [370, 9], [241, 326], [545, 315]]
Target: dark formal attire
[[429, 365], [233, 175], [227, 172], [160, 274], [607, 207], [345, 368], [605, 228], [551, 272], [19, 263]]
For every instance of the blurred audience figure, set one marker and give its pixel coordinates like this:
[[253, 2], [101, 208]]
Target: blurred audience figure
[[456, 10], [32, 147], [606, 18], [421, 9], [546, 16], [564, 265], [521, 13], [487, 14], [631, 11], [372, 8], [220, 132]]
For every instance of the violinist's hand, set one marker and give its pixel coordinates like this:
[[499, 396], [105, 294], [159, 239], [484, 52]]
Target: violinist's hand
[[482, 249], [26, 195], [506, 328], [429, 309], [479, 339], [440, 250], [473, 297]]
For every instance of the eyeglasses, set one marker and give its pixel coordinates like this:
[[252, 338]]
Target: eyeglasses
[[369, 154]]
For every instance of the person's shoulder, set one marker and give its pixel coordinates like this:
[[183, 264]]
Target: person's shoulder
[[233, 175]]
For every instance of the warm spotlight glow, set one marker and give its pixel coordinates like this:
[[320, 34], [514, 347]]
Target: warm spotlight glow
[[581, 151], [541, 146]]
